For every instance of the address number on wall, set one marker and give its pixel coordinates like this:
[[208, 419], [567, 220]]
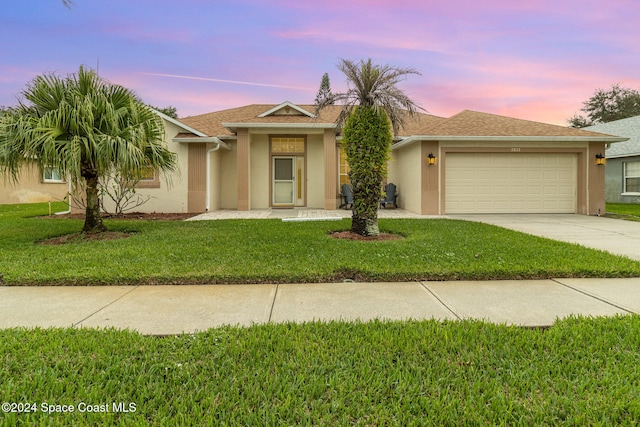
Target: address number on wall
[[515, 149]]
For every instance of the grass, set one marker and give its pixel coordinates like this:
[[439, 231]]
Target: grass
[[580, 371], [271, 251], [628, 211]]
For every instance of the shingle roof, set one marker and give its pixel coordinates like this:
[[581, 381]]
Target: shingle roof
[[466, 123], [211, 123], [629, 128], [474, 123]]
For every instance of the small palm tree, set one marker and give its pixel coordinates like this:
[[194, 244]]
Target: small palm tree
[[85, 128], [373, 106]]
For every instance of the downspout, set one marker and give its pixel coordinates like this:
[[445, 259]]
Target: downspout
[[207, 140], [208, 186], [68, 211]]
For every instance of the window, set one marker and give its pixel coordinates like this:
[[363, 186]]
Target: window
[[52, 175], [287, 145], [631, 182], [343, 168], [148, 178], [147, 174]]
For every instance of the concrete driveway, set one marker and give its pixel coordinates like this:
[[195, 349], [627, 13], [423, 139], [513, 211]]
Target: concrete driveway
[[612, 235]]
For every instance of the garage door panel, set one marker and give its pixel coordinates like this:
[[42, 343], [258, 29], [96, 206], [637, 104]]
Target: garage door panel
[[510, 183], [533, 174]]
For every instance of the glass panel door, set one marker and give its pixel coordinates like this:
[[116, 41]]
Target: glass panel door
[[283, 181], [299, 181]]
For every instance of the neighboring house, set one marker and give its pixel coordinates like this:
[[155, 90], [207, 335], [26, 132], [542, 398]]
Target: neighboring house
[[622, 171], [283, 156], [34, 186]]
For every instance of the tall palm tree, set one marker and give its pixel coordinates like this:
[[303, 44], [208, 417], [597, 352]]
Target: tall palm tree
[[85, 128], [373, 106]]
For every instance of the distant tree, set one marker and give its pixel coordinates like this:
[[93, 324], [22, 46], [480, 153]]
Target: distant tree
[[372, 107], [608, 105], [324, 96], [86, 128], [170, 111]]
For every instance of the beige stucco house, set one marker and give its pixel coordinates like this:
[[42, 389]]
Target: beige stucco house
[[272, 156], [284, 156], [493, 164], [34, 186]]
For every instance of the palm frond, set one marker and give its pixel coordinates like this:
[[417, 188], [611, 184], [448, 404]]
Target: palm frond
[[82, 122], [375, 86]]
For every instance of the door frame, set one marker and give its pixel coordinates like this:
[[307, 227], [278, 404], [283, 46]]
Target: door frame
[[274, 181], [299, 167]]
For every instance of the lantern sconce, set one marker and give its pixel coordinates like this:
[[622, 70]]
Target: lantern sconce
[[431, 159], [600, 159]]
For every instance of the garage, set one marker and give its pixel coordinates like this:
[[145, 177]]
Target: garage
[[510, 182]]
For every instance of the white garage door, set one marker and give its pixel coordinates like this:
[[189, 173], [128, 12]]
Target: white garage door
[[510, 183]]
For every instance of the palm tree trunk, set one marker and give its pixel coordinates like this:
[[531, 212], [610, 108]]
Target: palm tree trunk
[[93, 220], [366, 197], [365, 226]]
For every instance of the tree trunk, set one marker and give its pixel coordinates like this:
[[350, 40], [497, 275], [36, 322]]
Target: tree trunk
[[92, 220], [366, 198], [365, 226]]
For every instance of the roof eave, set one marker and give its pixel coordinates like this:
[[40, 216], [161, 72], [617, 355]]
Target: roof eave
[[415, 138], [233, 126], [619, 156], [179, 123], [202, 140]]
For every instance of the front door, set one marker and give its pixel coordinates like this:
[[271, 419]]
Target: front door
[[288, 181]]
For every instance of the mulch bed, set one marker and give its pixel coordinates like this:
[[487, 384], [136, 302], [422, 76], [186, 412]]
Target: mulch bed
[[113, 235], [135, 215], [110, 235]]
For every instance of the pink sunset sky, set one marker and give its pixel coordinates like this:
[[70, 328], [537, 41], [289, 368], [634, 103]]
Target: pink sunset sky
[[536, 59]]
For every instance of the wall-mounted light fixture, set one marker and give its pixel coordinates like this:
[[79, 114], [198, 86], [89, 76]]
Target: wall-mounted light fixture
[[600, 159], [431, 159]]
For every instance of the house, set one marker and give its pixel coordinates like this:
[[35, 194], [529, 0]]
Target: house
[[272, 156], [485, 163], [284, 156], [622, 172], [34, 186]]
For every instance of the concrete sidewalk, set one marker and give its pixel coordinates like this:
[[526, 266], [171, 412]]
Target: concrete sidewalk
[[161, 310]]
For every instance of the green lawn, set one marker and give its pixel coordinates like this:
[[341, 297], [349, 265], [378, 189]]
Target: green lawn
[[252, 251], [624, 210], [578, 372]]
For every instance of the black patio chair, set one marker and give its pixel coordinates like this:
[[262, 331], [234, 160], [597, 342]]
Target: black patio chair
[[390, 196], [347, 197]]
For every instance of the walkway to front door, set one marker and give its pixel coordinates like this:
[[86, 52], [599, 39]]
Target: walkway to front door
[[300, 213]]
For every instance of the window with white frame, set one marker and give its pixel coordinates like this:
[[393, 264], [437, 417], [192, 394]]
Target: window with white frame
[[52, 174], [631, 181]]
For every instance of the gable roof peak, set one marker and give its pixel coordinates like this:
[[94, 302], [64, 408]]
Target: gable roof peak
[[287, 109]]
